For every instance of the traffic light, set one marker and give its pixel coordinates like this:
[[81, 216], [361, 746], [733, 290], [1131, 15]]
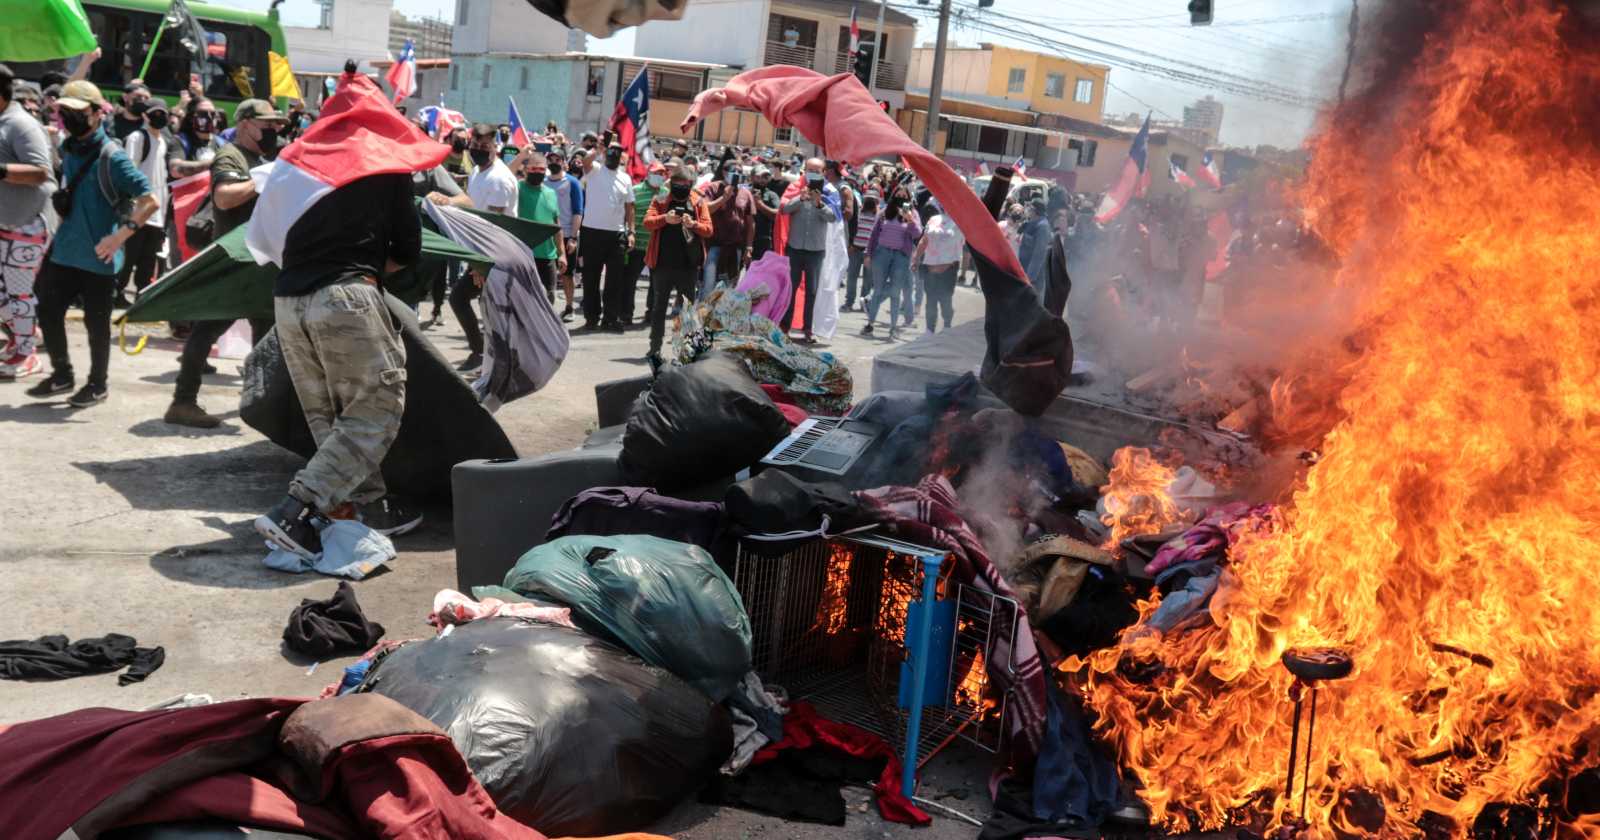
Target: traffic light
[[1199, 12], [863, 68]]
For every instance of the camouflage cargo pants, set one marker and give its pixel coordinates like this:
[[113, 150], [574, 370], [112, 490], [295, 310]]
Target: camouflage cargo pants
[[349, 370]]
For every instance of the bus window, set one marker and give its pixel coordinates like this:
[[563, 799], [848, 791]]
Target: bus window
[[235, 55]]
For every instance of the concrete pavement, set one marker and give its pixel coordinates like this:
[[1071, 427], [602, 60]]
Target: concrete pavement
[[114, 521]]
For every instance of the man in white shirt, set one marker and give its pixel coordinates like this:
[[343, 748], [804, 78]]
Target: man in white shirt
[[492, 186], [605, 239], [148, 147], [939, 255]]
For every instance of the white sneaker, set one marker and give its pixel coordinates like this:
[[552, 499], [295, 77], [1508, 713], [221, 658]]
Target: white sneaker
[[19, 367]]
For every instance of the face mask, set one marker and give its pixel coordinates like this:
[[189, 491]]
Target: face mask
[[680, 191], [508, 156], [481, 157], [305, 123], [138, 107], [534, 179], [813, 181], [458, 145], [268, 141], [613, 159], [76, 122], [655, 180], [158, 120], [555, 172], [202, 124]]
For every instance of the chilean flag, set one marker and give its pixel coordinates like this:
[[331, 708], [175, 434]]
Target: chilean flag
[[438, 118], [1209, 172], [631, 122], [1130, 180], [359, 134], [983, 168], [855, 39], [519, 135], [187, 196], [1020, 167], [402, 76], [1179, 175], [1220, 228]]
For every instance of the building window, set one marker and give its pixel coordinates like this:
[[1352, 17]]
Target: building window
[[455, 77], [1055, 86], [1017, 82], [326, 19], [522, 77], [783, 135], [595, 89], [486, 74], [1181, 161], [461, 12], [1084, 92], [1085, 150]]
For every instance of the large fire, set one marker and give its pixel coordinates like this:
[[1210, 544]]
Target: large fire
[[1449, 535]]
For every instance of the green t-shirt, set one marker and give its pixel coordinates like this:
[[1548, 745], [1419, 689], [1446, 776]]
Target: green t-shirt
[[539, 206], [643, 194]]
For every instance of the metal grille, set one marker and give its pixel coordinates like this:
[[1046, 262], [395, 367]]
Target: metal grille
[[828, 623]]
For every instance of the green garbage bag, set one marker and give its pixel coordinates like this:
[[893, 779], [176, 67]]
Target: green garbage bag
[[665, 601]]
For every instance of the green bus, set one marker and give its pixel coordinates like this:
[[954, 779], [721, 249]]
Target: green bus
[[236, 65]]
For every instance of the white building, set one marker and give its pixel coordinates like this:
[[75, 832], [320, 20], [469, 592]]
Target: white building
[[357, 29], [485, 27]]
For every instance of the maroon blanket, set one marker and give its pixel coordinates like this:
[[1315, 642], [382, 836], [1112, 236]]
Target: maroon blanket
[[357, 766]]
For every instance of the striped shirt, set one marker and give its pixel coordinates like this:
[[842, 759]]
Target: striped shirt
[[896, 236], [865, 220]]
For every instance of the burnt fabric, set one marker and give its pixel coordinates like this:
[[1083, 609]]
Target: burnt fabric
[[608, 511], [1103, 606], [54, 658], [324, 629], [347, 767], [927, 515], [805, 729], [698, 423], [776, 503], [1073, 780], [1028, 357], [804, 785], [1013, 818]]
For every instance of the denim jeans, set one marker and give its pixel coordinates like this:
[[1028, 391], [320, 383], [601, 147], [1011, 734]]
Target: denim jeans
[[891, 280], [708, 272], [853, 276]]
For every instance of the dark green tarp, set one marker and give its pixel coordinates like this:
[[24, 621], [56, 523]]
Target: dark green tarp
[[223, 282]]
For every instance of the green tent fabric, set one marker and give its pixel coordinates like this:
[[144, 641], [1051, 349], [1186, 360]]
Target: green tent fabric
[[39, 30], [223, 282]]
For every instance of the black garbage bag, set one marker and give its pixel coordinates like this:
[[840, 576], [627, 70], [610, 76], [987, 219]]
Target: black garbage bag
[[442, 426], [570, 735], [699, 423], [197, 830]]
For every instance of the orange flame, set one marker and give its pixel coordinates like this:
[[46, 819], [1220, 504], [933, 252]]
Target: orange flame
[[1448, 535], [1136, 500]]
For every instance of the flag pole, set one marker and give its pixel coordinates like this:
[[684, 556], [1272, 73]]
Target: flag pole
[[877, 47], [155, 42]]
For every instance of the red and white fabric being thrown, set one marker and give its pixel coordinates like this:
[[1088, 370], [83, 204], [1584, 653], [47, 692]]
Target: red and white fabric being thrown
[[358, 134], [1028, 355], [452, 607], [187, 196], [928, 515]]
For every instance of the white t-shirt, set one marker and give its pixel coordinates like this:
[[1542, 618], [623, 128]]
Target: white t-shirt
[[154, 168], [944, 241], [494, 187], [606, 196]]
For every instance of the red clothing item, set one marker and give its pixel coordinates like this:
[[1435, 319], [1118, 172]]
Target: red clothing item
[[803, 727], [321, 767], [838, 113], [734, 222], [655, 218], [786, 404]]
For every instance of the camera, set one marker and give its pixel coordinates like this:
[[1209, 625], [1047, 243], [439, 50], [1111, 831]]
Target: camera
[[62, 201]]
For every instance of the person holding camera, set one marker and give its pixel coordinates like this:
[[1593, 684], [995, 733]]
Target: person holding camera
[[680, 223], [104, 201], [733, 223], [810, 211], [889, 249]]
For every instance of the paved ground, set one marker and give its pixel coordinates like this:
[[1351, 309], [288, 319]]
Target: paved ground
[[117, 522]]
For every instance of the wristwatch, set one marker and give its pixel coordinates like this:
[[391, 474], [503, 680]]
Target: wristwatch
[[5, 169], [131, 225]]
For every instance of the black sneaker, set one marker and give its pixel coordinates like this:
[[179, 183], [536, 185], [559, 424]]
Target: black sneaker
[[473, 362], [52, 386], [566, 315], [866, 330], [209, 369], [89, 395], [389, 517], [290, 526]]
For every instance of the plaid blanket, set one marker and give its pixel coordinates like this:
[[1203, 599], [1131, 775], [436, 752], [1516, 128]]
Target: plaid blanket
[[927, 515]]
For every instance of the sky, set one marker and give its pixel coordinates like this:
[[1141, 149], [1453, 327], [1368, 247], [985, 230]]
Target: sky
[[1295, 44]]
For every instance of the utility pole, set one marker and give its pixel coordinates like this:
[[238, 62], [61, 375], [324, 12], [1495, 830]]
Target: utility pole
[[936, 84], [877, 48]]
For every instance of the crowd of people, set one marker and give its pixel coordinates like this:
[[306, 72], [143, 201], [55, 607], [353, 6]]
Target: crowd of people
[[87, 219]]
